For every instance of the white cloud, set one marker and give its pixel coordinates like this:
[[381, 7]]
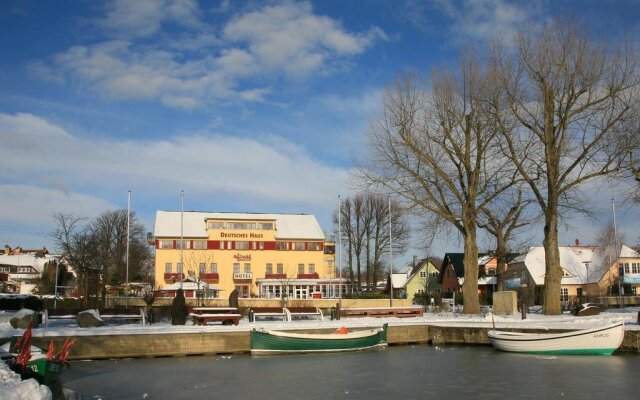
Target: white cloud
[[34, 206], [47, 160], [143, 18], [290, 37], [192, 68], [479, 20]]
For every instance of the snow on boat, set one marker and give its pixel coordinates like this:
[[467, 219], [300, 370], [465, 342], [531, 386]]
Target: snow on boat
[[277, 342], [595, 341]]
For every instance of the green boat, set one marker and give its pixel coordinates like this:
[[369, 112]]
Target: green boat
[[265, 342], [49, 370]]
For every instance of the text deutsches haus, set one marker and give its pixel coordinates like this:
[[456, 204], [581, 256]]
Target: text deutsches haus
[[241, 235]]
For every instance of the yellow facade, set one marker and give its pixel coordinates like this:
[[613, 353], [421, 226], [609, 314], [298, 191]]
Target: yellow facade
[[236, 253]]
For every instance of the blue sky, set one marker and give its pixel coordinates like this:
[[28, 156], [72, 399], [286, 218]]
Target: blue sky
[[245, 105]]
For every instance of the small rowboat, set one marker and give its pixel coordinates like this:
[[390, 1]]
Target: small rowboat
[[595, 341], [277, 342]]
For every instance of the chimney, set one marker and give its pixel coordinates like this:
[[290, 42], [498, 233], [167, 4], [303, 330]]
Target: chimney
[[415, 260], [7, 249]]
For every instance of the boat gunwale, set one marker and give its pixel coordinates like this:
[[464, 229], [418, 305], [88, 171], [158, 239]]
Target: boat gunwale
[[535, 337], [324, 336]]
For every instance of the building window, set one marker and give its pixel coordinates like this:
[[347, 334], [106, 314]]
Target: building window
[[434, 274], [247, 268], [24, 269], [216, 225], [185, 243], [202, 268], [179, 267], [314, 246], [236, 268], [634, 290], [243, 291], [165, 244], [280, 269], [213, 268], [625, 266], [241, 225], [579, 292], [299, 246], [200, 244], [635, 268], [423, 274], [312, 268], [269, 268], [242, 245], [282, 245], [258, 245], [300, 268], [265, 226], [564, 294]]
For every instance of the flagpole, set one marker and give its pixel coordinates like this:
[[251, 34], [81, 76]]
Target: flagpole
[[181, 235], [126, 289], [390, 259], [339, 251]]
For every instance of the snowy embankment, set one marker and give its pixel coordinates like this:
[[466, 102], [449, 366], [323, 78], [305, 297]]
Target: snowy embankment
[[533, 321]]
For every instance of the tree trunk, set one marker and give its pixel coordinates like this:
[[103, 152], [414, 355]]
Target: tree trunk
[[553, 271], [470, 286], [501, 259]]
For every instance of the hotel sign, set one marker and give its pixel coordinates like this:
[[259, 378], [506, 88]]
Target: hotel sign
[[245, 275], [242, 257]]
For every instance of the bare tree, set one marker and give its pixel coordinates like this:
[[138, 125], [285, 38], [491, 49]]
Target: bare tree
[[573, 100], [503, 219], [365, 230], [438, 152], [196, 264]]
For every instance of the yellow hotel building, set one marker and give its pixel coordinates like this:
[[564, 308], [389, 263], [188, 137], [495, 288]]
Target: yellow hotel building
[[259, 255]]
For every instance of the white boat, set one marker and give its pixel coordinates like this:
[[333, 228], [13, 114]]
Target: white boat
[[595, 341]]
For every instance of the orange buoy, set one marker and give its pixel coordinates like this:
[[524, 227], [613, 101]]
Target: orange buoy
[[342, 331]]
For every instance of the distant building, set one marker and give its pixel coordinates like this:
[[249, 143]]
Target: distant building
[[20, 268], [259, 255], [587, 273]]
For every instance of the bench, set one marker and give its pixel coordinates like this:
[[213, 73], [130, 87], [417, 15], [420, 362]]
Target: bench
[[226, 315], [106, 314], [269, 313], [305, 313], [59, 313], [383, 312], [134, 314]]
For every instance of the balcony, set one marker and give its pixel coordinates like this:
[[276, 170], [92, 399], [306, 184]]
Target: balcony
[[309, 276], [275, 276], [211, 277], [170, 277]]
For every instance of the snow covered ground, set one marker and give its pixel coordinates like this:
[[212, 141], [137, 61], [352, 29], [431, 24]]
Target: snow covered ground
[[533, 321], [11, 387]]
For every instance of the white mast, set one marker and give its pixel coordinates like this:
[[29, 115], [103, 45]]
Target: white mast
[[339, 250], [181, 235], [390, 259], [126, 288]]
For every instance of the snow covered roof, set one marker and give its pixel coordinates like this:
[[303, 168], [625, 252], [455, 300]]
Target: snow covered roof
[[187, 285], [581, 264], [288, 226], [399, 280], [26, 260], [628, 252]]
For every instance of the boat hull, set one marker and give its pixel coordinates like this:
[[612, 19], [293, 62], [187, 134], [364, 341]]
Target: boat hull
[[595, 341], [269, 342]]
